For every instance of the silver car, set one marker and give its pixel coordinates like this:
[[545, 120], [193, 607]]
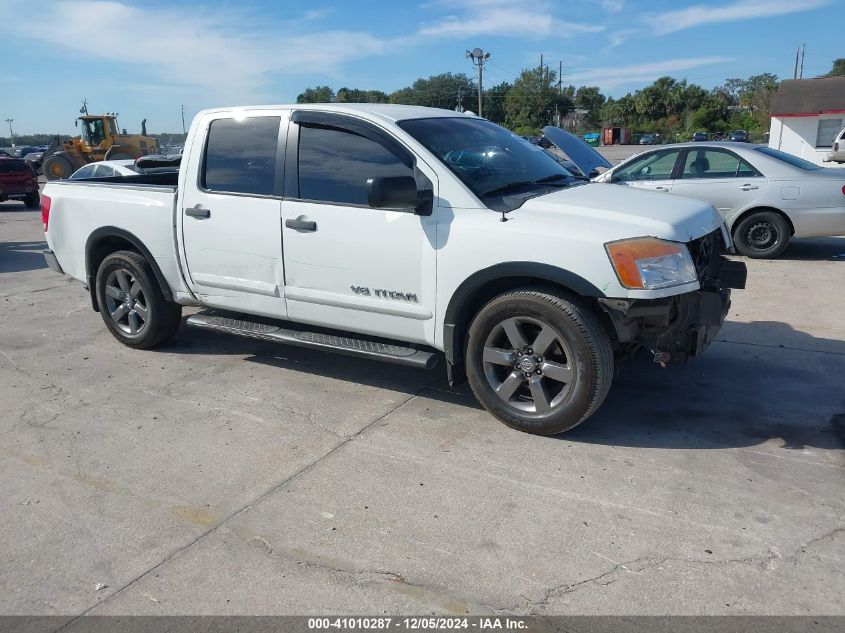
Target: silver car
[[766, 196]]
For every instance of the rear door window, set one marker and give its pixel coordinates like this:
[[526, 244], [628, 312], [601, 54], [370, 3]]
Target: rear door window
[[240, 156], [85, 172], [715, 163]]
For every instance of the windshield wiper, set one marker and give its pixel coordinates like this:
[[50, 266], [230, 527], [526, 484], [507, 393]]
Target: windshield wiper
[[546, 181]]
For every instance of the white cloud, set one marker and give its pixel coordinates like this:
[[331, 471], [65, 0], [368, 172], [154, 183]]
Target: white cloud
[[501, 17], [699, 15], [612, 6], [230, 53], [613, 77], [618, 37]]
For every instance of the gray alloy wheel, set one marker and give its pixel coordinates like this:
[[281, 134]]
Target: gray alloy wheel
[[527, 364], [125, 302]]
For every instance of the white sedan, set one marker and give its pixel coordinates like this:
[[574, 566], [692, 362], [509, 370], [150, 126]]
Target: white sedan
[[766, 196], [106, 169]]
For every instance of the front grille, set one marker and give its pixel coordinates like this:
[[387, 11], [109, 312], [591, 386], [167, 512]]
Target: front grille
[[706, 252]]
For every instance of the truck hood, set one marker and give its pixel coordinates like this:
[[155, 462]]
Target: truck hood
[[623, 212]]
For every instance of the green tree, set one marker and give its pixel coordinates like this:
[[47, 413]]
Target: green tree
[[438, 91], [317, 94], [838, 68], [591, 99], [494, 102], [533, 100], [356, 95]]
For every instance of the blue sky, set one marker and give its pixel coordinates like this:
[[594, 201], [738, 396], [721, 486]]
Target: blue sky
[[144, 59]]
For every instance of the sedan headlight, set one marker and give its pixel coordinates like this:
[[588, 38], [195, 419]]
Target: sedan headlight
[[648, 263]]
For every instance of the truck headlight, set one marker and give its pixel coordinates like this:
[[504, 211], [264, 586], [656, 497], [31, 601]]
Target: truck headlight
[[648, 263]]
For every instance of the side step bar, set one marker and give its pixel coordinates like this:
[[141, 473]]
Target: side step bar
[[362, 348]]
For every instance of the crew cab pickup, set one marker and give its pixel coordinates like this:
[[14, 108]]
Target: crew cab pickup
[[403, 234]]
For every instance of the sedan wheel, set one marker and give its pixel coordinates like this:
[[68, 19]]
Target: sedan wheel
[[764, 234]]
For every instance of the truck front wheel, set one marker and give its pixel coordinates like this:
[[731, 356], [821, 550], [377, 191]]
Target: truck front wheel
[[131, 302], [538, 361]]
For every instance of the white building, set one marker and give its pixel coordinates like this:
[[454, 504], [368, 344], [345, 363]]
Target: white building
[[807, 115]]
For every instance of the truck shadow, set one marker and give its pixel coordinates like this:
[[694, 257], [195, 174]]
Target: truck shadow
[[761, 381], [16, 257]]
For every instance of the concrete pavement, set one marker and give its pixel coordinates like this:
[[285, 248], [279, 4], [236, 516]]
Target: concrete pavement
[[221, 475]]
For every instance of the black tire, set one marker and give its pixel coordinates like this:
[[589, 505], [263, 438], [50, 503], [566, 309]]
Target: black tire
[[155, 321], [32, 200], [57, 167], [581, 352], [762, 235]]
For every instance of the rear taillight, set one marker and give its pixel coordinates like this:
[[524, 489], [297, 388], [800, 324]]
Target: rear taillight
[[45, 211], [843, 190]]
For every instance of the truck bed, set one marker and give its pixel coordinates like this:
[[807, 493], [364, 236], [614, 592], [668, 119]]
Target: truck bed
[[140, 207]]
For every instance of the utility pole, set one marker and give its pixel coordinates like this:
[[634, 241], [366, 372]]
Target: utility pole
[[803, 49], [541, 65], [11, 132], [183, 118], [460, 106], [478, 57]]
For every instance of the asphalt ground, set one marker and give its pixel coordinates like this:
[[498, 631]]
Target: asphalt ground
[[220, 475]]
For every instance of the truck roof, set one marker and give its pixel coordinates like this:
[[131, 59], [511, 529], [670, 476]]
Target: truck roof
[[388, 111]]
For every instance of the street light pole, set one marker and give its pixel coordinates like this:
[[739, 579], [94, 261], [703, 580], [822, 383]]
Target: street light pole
[[11, 132], [478, 57]]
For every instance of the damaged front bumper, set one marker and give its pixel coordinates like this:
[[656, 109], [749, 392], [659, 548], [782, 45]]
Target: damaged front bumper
[[676, 328]]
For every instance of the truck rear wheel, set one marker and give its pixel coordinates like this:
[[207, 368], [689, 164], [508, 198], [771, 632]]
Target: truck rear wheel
[[538, 361], [132, 304]]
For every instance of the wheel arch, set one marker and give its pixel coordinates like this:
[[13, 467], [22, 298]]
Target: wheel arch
[[735, 222], [485, 284], [109, 239]]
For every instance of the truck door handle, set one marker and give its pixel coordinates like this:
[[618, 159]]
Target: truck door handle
[[198, 212], [661, 188], [749, 187], [301, 224]]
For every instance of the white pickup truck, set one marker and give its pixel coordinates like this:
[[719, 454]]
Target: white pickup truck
[[403, 234]]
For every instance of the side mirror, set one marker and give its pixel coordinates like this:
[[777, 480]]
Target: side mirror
[[399, 193]]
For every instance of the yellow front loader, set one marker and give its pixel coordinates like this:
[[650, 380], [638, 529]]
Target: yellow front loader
[[99, 141]]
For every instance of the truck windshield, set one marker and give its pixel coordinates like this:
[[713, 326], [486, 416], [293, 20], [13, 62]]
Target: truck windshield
[[489, 159]]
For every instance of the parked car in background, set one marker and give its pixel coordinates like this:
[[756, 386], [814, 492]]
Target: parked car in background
[[838, 153], [766, 196], [699, 137], [648, 139], [149, 164], [739, 136], [18, 182], [106, 169], [33, 159], [22, 151]]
